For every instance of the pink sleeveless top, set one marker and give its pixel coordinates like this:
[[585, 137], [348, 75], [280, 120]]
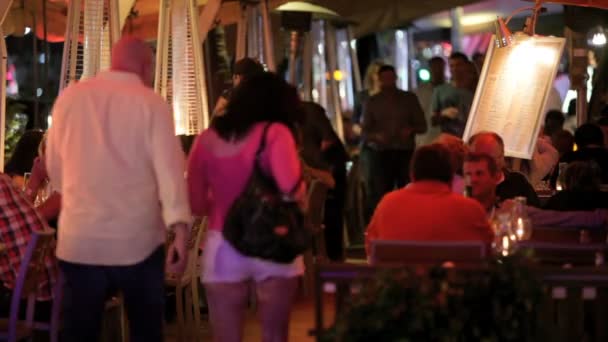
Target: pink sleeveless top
[[218, 170]]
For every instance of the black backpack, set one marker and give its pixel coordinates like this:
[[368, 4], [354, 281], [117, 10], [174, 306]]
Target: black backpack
[[265, 223]]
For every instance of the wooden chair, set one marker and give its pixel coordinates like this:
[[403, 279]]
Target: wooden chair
[[188, 316], [186, 287], [26, 285], [317, 193], [427, 252], [115, 303], [188, 311], [354, 211]]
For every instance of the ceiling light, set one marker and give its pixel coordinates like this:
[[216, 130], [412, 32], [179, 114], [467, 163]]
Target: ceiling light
[[596, 37], [503, 36]]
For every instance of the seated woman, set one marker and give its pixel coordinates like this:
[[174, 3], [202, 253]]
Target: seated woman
[[582, 189], [39, 190]]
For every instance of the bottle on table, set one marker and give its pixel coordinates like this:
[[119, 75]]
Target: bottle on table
[[561, 171]]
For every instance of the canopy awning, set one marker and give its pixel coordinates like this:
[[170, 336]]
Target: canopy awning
[[370, 15]]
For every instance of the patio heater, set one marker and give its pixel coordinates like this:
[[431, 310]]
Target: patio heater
[[322, 58], [4, 8], [254, 33], [180, 75], [92, 28]]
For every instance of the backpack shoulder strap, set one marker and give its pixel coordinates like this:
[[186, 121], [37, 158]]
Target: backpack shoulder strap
[[262, 144]]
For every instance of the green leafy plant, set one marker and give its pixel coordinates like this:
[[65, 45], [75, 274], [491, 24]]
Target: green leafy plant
[[496, 304], [15, 123]]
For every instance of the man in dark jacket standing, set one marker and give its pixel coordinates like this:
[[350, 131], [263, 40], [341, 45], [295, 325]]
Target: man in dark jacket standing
[[391, 120]]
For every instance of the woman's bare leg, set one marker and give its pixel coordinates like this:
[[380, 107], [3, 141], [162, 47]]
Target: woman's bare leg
[[227, 305], [275, 301]]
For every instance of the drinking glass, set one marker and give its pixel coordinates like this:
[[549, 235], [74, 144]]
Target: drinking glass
[[26, 179]]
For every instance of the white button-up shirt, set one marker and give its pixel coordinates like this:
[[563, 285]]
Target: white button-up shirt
[[113, 155]]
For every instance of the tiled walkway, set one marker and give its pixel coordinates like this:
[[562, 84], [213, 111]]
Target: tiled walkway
[[302, 321]]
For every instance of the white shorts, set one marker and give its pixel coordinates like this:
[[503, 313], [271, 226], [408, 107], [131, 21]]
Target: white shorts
[[222, 263]]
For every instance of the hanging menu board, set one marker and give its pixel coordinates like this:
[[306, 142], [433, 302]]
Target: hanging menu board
[[513, 90]]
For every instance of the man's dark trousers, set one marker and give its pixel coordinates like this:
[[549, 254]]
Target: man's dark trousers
[[87, 287]]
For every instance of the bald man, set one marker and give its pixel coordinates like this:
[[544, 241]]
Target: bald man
[[510, 184], [113, 155]]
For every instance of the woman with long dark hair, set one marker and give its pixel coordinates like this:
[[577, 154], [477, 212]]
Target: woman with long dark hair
[[23, 156], [219, 167]]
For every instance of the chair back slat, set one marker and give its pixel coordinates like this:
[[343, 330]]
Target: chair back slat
[[30, 270], [197, 231], [427, 252], [33, 265], [568, 235], [574, 254], [317, 194]]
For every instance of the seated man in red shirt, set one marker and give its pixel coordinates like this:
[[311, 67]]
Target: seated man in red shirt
[[426, 209]]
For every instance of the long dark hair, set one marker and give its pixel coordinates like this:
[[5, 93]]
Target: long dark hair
[[25, 152], [265, 97]]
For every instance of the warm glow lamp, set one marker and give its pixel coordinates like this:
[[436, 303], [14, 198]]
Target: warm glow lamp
[[503, 36], [180, 75]]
